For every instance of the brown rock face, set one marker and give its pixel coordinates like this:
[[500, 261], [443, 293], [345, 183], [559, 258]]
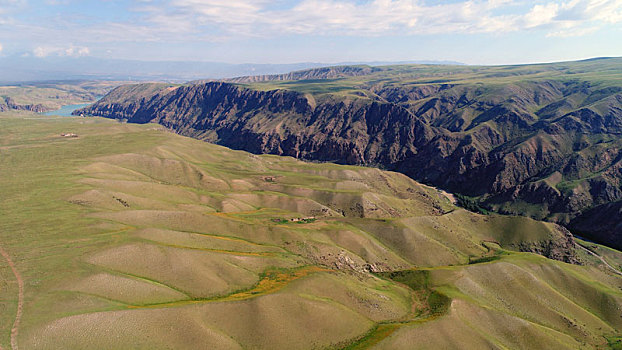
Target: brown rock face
[[602, 223], [10, 104], [316, 73], [548, 149], [562, 249]]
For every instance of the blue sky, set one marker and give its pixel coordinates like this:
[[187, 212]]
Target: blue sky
[[329, 31]]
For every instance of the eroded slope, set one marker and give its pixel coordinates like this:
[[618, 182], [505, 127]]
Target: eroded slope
[[131, 236]]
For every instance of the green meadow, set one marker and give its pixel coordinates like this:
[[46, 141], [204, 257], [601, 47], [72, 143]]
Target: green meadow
[[130, 236], [599, 72]]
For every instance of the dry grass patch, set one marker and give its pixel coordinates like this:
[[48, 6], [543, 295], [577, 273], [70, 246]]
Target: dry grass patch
[[374, 298], [517, 291], [127, 290], [155, 191], [137, 329], [203, 241], [169, 171], [300, 205], [110, 200], [198, 273], [472, 327]]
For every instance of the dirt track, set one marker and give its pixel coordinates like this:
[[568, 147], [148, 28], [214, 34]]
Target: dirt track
[[20, 299], [613, 269]]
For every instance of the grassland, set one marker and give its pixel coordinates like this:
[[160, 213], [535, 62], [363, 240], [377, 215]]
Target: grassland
[[129, 236], [603, 72]]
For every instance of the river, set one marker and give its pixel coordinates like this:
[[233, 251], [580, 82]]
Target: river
[[65, 111]]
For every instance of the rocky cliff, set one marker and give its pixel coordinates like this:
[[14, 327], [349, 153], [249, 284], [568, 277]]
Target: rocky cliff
[[308, 74], [7, 104], [548, 148]]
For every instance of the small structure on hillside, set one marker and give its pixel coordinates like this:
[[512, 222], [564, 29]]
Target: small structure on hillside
[[306, 219], [68, 134]]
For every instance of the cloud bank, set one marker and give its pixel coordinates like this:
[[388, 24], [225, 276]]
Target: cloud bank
[[71, 51], [49, 27], [379, 17]]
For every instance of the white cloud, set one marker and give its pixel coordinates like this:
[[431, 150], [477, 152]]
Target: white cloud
[[608, 11], [1, 48], [77, 51], [573, 31], [41, 51], [541, 15], [330, 17], [70, 51], [220, 20], [580, 17], [376, 17], [57, 2]]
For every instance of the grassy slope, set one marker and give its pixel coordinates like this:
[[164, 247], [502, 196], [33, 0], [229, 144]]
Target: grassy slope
[[603, 72], [130, 236]]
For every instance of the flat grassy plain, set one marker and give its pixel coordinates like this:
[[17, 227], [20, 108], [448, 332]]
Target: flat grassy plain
[[53, 95], [129, 236]]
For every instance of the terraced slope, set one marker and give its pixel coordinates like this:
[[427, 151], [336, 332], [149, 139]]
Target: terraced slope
[[129, 236], [537, 140]]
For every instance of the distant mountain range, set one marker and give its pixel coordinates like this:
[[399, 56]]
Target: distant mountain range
[[20, 69]]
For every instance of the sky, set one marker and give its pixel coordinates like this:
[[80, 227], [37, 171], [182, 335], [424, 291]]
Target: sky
[[328, 31]]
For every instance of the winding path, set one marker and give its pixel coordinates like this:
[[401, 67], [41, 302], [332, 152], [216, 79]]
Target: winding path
[[20, 299], [601, 259]]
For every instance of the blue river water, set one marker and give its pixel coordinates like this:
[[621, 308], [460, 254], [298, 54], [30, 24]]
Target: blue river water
[[65, 111]]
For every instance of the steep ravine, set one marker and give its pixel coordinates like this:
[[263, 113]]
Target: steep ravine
[[455, 137]]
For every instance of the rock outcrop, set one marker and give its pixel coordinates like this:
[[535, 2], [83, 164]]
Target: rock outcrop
[[307, 74], [10, 104]]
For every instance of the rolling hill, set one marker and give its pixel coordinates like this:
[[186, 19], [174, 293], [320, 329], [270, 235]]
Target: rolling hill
[[130, 236], [536, 140]]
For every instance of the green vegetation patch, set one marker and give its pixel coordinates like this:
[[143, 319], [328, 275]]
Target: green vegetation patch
[[470, 204], [614, 342]]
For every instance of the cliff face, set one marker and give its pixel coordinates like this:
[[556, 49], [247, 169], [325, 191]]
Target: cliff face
[[279, 122], [316, 73], [9, 104], [549, 149], [602, 223]]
